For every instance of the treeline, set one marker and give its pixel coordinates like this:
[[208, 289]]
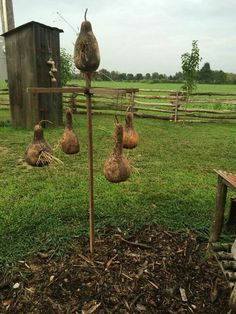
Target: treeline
[[208, 76], [205, 75]]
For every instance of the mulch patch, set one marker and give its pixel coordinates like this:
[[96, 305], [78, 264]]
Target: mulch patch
[[154, 271]]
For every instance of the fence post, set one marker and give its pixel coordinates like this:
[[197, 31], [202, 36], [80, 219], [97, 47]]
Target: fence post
[[176, 107], [132, 96]]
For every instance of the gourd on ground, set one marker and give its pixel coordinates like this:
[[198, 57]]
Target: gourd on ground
[[39, 151]]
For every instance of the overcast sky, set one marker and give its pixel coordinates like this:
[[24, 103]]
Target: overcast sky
[[144, 35]]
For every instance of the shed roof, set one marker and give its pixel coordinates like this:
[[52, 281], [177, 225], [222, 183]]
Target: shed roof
[[29, 24]]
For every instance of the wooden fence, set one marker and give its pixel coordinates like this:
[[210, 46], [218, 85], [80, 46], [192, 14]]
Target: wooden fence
[[145, 103], [4, 99], [164, 104], [209, 107], [161, 104]]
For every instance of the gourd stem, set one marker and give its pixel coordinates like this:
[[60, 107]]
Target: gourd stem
[[116, 119], [44, 121], [129, 121], [118, 140], [69, 123], [85, 14]]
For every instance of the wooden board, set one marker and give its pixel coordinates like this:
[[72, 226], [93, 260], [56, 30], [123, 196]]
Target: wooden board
[[97, 91], [228, 178], [28, 47]]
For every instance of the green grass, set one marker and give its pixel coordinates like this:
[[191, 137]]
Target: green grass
[[172, 184], [3, 84], [173, 86]]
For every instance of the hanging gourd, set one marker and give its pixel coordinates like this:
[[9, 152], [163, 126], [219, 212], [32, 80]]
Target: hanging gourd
[[69, 142], [39, 152], [130, 136], [117, 167], [86, 52]]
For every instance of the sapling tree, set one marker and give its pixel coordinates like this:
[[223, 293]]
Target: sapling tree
[[190, 66], [67, 67]]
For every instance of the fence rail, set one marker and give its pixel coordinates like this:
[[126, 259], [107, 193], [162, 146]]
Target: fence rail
[[4, 99], [154, 103]]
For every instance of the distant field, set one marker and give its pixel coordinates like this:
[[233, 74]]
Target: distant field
[[174, 86]]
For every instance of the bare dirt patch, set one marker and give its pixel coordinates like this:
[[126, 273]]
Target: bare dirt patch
[[154, 271]]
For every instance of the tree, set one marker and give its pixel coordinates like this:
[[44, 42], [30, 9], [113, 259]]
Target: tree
[[122, 76], [163, 77], [148, 76], [205, 75], [129, 77], [231, 78], [138, 77], [114, 75], [178, 77], [190, 66], [67, 67], [104, 75], [219, 77], [155, 77]]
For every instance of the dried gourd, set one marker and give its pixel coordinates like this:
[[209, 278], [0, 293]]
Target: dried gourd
[[86, 52], [69, 142], [130, 136], [39, 152], [117, 167]]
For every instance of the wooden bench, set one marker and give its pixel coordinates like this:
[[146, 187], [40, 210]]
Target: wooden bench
[[225, 180], [223, 252]]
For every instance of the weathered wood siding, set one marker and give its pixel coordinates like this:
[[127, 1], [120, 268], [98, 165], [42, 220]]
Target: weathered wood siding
[[28, 49]]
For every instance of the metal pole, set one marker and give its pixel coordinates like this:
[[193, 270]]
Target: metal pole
[[90, 161]]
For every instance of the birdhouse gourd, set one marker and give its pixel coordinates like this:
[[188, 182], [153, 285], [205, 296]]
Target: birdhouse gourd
[[69, 142], [86, 52], [117, 168], [37, 152], [130, 136]]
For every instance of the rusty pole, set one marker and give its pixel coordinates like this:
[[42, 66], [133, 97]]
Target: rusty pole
[[90, 160]]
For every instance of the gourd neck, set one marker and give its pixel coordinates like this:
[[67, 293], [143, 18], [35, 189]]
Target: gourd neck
[[69, 124], [118, 139], [38, 133], [129, 120]]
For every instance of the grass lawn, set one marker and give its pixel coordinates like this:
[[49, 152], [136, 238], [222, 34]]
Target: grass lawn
[[3, 84], [172, 184]]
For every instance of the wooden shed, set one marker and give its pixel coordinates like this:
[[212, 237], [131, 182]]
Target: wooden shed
[[28, 49]]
